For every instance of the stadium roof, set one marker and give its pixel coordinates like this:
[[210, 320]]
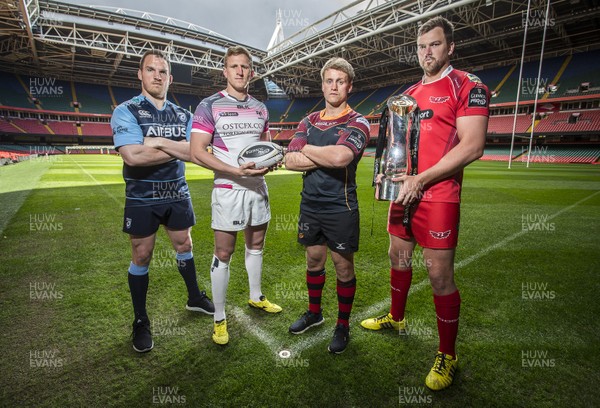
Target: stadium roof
[[98, 45]]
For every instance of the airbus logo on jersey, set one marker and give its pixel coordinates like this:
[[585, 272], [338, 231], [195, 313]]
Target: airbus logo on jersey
[[440, 235], [144, 114], [438, 99], [166, 131]]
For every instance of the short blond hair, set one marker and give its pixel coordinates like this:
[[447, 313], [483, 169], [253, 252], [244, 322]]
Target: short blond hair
[[339, 64], [237, 50]]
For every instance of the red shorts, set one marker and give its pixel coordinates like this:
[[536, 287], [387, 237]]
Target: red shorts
[[432, 225]]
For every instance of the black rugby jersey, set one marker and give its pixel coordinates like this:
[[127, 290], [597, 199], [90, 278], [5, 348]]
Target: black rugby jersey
[[330, 190]]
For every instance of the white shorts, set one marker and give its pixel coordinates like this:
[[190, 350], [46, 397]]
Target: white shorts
[[234, 210]]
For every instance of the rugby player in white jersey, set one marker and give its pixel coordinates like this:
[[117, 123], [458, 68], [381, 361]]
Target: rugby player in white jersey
[[228, 121]]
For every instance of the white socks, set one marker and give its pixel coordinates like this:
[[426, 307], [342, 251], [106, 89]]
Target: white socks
[[219, 278], [254, 261]]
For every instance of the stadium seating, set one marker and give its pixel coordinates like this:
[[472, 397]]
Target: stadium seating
[[560, 154], [14, 92], [583, 67], [508, 91], [503, 124], [500, 153], [558, 122], [31, 126], [96, 129], [302, 107], [277, 108], [93, 98]]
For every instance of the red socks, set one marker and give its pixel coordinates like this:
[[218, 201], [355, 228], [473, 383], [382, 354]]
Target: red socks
[[400, 281], [447, 309]]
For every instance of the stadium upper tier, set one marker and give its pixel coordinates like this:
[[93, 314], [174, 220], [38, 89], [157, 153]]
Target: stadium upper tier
[[562, 77]]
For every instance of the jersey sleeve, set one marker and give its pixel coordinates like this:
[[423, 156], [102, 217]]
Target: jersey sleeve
[[125, 128], [356, 135], [188, 131], [266, 114], [474, 98], [203, 120], [300, 137]]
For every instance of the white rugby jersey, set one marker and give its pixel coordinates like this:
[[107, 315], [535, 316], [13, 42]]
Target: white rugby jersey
[[233, 125]]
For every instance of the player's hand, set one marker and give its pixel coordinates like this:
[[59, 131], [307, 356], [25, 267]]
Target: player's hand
[[379, 178], [410, 191], [276, 166], [154, 142], [249, 170]]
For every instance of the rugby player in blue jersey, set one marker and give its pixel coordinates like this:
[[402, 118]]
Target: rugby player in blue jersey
[[151, 135]]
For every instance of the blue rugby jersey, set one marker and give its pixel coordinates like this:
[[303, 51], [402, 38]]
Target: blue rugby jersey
[[131, 122]]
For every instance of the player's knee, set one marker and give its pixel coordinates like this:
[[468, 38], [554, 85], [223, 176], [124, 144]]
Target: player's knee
[[184, 247], [345, 274], [314, 263], [224, 255]]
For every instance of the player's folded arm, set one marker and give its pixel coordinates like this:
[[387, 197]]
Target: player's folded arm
[[138, 155]]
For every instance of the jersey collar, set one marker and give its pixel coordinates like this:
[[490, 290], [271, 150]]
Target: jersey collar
[[346, 111], [445, 73]]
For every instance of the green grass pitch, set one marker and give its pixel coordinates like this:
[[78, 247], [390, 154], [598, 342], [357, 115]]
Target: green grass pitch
[[527, 266]]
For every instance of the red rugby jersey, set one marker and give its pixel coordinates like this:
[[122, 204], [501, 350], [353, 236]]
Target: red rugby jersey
[[455, 94]]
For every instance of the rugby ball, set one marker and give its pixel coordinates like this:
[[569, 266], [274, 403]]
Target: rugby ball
[[263, 154]]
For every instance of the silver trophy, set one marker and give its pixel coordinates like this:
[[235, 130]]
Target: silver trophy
[[400, 129]]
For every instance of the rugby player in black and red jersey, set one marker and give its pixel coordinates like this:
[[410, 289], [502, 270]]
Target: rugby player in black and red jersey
[[327, 147], [454, 117]]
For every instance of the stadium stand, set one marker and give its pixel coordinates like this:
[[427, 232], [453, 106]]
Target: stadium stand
[[302, 107], [63, 128], [508, 91], [569, 122], [93, 98], [493, 77], [503, 124], [563, 154], [96, 129], [499, 153], [31, 126], [13, 92], [277, 108], [583, 68]]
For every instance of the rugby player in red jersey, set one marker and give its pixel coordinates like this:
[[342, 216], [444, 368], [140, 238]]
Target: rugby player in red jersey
[[454, 117], [327, 147]]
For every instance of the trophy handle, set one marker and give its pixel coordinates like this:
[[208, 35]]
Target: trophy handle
[[381, 142]]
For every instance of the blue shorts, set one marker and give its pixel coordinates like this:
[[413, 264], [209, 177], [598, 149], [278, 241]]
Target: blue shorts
[[145, 220]]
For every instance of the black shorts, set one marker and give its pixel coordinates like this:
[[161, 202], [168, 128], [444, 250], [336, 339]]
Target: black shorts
[[145, 220], [340, 231]]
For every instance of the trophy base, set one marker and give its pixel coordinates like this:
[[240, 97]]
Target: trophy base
[[387, 190]]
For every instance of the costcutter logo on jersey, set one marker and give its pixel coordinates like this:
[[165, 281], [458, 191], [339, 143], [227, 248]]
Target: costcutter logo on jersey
[[478, 98], [228, 114], [438, 99]]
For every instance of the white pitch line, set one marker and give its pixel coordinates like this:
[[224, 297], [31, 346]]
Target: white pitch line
[[308, 342], [259, 333]]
